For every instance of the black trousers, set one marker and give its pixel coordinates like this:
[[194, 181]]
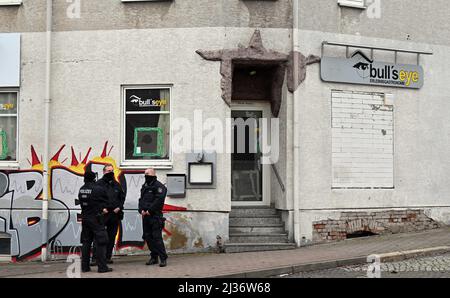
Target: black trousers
[[111, 222], [93, 230], [153, 227]]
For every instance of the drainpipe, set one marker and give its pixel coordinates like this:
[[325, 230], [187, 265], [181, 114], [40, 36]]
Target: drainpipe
[[47, 102], [296, 128]]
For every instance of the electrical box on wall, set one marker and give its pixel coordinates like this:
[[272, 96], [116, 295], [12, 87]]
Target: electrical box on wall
[[202, 170], [176, 185]]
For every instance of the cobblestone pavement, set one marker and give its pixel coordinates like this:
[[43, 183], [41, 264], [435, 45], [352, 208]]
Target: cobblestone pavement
[[427, 267]]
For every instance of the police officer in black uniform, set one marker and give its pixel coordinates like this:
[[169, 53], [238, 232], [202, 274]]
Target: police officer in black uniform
[[110, 188], [151, 203], [93, 228]]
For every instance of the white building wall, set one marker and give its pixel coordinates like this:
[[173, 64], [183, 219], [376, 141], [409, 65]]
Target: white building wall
[[88, 70]]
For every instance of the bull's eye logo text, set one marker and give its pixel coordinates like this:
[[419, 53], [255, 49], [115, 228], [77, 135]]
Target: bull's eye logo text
[[146, 103], [386, 74]]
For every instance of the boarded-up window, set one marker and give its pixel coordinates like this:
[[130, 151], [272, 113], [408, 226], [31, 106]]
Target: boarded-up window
[[363, 134]]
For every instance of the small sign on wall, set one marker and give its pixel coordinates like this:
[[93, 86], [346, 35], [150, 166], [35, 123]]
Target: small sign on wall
[[9, 60], [202, 170], [201, 173]]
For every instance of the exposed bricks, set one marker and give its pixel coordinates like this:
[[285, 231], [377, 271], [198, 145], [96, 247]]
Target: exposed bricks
[[383, 222]]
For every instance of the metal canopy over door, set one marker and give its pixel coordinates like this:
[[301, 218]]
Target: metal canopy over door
[[249, 177]]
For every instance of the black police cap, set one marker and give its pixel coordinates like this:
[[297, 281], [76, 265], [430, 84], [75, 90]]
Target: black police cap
[[89, 176]]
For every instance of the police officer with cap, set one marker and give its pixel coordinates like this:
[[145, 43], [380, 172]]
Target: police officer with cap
[[93, 229], [151, 203]]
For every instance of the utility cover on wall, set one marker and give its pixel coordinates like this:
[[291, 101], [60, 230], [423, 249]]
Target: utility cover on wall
[[176, 185]]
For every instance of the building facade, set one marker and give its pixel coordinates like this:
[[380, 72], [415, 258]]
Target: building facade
[[162, 84]]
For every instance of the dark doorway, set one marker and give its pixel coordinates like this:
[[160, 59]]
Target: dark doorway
[[246, 167], [254, 81]]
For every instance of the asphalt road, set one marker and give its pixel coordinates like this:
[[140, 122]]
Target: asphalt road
[[426, 267]]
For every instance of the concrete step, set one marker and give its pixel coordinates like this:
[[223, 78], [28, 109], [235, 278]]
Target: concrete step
[[252, 215], [255, 212], [256, 221], [248, 247], [277, 229], [258, 238]]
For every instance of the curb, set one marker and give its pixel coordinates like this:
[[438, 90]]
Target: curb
[[409, 254], [293, 269]]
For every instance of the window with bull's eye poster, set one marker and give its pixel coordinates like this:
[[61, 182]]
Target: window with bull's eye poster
[[8, 126], [147, 123]]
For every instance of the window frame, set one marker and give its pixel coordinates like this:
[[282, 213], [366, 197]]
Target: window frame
[[352, 4], [138, 164], [13, 164], [10, 2]]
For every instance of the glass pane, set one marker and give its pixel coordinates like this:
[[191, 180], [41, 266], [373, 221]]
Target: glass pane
[[147, 137], [247, 172], [8, 138], [147, 100], [8, 103]]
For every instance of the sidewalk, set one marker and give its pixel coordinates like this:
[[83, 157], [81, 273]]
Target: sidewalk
[[247, 264]]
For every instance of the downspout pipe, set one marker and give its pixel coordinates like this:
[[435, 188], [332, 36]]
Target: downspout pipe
[[296, 126], [47, 103]]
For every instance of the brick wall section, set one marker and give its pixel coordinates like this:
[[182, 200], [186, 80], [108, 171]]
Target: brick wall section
[[383, 222]]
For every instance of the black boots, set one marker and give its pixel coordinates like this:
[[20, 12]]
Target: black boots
[[152, 261], [163, 263], [105, 270]]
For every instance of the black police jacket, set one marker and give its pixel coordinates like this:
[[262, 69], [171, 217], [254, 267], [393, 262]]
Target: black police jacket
[[152, 198], [113, 192], [91, 203]]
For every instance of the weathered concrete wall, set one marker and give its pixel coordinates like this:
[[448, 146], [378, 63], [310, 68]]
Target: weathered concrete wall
[[414, 20], [116, 15], [89, 68]]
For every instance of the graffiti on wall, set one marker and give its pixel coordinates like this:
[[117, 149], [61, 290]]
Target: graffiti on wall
[[21, 206]]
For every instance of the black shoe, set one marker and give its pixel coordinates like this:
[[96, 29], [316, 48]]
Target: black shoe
[[105, 270], [163, 263], [86, 270], [94, 263], [152, 261], [109, 261]]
